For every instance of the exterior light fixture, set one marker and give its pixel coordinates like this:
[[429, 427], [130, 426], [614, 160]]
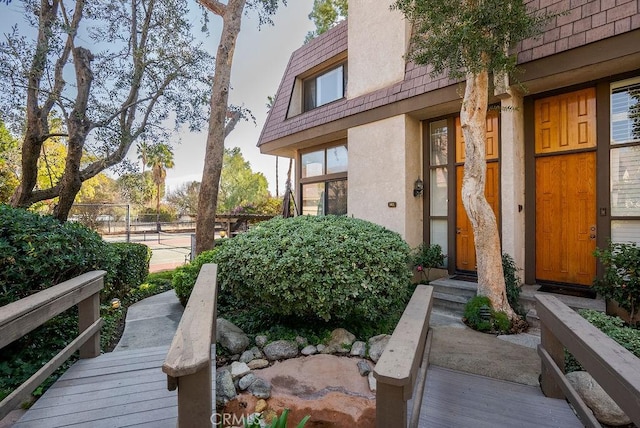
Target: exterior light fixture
[[418, 187]]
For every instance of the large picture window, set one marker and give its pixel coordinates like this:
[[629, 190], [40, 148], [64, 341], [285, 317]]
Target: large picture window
[[325, 87], [625, 161], [323, 181]]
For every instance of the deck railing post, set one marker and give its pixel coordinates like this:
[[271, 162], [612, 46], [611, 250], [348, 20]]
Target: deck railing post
[[195, 408], [391, 406], [556, 350], [88, 313]]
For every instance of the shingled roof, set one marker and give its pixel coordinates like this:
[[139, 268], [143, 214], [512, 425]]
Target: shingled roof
[[418, 90]]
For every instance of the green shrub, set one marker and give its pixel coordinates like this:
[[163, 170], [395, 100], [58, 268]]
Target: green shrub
[[37, 252], [325, 267], [621, 278], [427, 257], [130, 271], [184, 277], [512, 282], [480, 316], [612, 326]]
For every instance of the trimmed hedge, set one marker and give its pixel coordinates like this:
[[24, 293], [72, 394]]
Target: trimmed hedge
[[37, 252], [131, 269], [184, 277], [324, 267]]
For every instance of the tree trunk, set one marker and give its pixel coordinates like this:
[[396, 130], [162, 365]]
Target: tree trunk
[[208, 198], [79, 126], [473, 118]]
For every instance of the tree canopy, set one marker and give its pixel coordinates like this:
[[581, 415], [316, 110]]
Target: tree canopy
[[120, 88], [239, 185], [326, 14]]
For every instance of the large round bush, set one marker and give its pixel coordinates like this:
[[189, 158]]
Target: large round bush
[[37, 252], [323, 267]]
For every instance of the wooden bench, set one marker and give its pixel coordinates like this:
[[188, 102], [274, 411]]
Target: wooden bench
[[402, 369], [616, 369], [21, 317], [188, 362]]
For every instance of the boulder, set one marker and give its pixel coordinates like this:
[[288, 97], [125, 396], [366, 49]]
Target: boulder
[[358, 349], [281, 350], [260, 388], [340, 342], [261, 340], [364, 368], [377, 345], [225, 389], [246, 381], [246, 356], [309, 350], [320, 348], [602, 405], [260, 363], [231, 337], [238, 370]]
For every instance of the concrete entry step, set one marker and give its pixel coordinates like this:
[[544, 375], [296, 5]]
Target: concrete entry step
[[451, 295]]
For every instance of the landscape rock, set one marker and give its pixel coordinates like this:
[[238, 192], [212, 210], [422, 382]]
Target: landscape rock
[[320, 348], [230, 336], [261, 406], [341, 341], [260, 388], [309, 350], [377, 345], [372, 382], [364, 368], [261, 340], [246, 381], [247, 356], [238, 369], [260, 363], [225, 389], [281, 350], [596, 398], [358, 349], [302, 341]]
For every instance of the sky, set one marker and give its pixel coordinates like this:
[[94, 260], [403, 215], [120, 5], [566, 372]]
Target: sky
[[259, 63]]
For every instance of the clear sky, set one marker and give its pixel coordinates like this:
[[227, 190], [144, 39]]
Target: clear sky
[[259, 62]]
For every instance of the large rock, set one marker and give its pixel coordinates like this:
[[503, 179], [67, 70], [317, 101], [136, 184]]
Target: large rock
[[246, 381], [231, 337], [238, 369], [260, 388], [340, 342], [377, 345], [281, 350], [358, 349], [225, 389], [309, 350], [604, 408], [260, 363], [324, 386], [363, 367]]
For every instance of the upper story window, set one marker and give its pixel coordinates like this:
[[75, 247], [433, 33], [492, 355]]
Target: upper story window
[[325, 87]]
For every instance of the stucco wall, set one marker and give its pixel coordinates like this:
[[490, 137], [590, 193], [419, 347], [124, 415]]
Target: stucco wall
[[378, 38], [384, 162]]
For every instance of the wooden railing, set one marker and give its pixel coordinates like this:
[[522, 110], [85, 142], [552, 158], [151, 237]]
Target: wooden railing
[[21, 317], [616, 369], [402, 369], [188, 363]]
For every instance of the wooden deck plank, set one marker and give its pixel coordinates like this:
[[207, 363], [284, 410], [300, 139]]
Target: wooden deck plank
[[147, 375], [460, 399]]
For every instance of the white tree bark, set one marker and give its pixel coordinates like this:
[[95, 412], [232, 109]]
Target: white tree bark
[[473, 118]]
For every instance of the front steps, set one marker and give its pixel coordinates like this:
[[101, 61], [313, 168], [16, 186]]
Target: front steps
[[451, 295]]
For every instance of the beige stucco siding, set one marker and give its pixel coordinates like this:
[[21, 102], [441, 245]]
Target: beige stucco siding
[[384, 162], [378, 38]]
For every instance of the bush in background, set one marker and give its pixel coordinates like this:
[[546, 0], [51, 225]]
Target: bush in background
[[37, 252], [479, 315], [613, 327], [427, 257], [621, 279], [512, 283], [131, 269], [325, 267], [184, 277]]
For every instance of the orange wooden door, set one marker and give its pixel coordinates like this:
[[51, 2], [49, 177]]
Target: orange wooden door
[[565, 188], [465, 245]]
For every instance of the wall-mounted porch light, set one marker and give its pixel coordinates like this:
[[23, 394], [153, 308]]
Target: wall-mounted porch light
[[418, 187]]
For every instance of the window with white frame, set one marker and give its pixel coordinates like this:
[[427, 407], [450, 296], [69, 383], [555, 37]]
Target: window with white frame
[[323, 181], [625, 161]]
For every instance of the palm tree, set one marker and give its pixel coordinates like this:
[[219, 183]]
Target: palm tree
[[143, 153], [159, 159]]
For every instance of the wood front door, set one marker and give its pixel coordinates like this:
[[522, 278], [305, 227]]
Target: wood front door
[[465, 244], [565, 188]]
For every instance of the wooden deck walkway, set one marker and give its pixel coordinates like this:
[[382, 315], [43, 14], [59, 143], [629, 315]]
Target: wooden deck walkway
[[128, 388]]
